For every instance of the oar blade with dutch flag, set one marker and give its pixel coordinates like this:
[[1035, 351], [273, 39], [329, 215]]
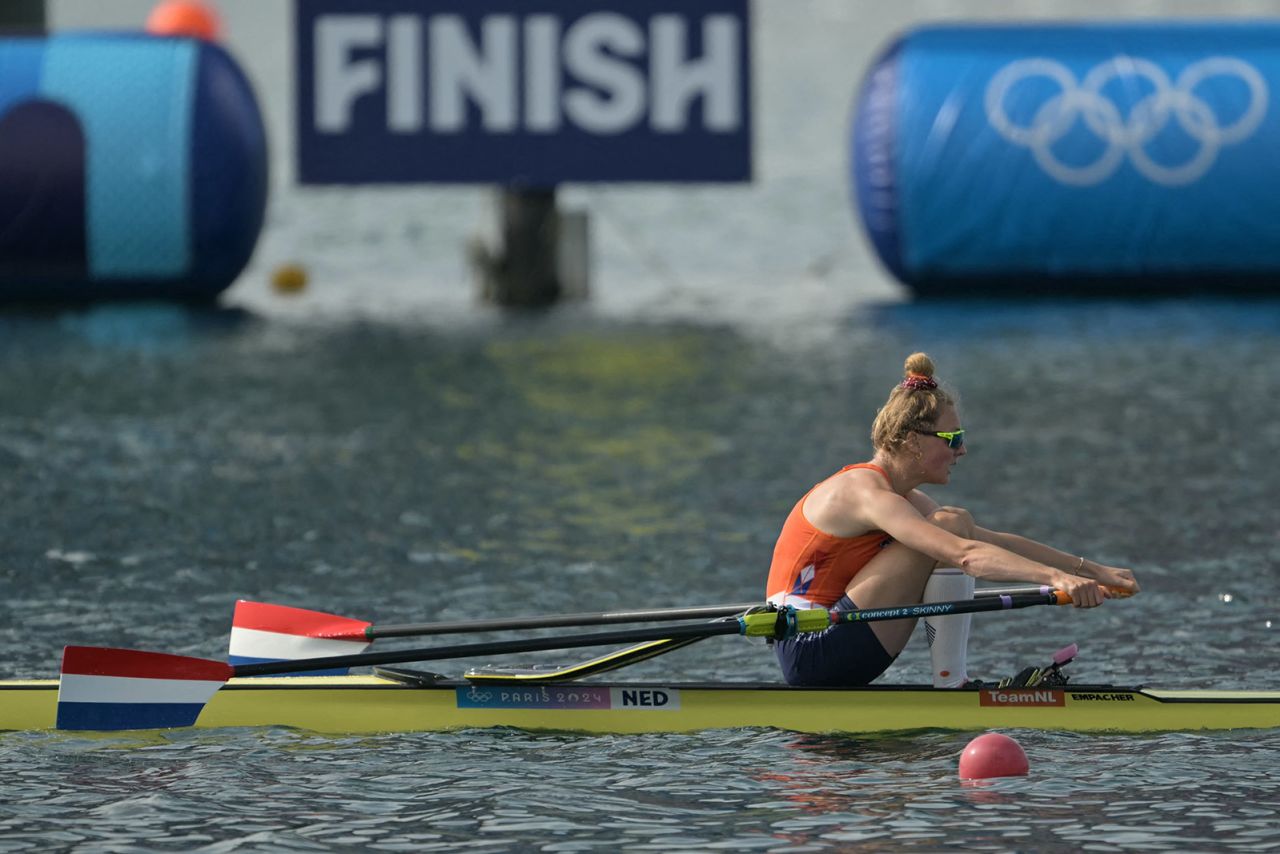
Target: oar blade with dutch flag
[[113, 689], [263, 632]]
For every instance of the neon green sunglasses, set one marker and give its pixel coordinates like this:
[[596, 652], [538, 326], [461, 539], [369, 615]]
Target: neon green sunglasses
[[953, 438]]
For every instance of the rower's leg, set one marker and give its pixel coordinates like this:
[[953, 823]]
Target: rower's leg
[[948, 636], [898, 574]]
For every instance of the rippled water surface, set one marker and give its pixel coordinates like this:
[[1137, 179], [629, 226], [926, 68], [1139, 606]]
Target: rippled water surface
[[163, 464], [738, 790]]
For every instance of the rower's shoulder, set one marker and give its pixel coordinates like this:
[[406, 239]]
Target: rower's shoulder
[[858, 477], [843, 505], [851, 487]]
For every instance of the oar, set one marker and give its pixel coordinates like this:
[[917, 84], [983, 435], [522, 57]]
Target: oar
[[117, 689], [261, 631]]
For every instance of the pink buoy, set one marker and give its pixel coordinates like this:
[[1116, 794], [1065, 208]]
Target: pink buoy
[[993, 755]]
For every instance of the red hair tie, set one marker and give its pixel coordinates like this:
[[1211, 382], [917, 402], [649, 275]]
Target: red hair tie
[[915, 382]]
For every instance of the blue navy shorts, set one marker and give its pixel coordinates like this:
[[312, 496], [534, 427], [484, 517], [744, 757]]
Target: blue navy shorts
[[843, 656]]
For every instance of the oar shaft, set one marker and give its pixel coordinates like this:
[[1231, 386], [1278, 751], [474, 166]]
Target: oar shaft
[[553, 621], [556, 621], [960, 606]]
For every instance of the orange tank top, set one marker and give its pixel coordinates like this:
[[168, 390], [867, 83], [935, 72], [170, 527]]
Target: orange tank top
[[813, 568]]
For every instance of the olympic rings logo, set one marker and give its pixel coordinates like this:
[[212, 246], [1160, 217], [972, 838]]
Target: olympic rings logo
[[1121, 135]]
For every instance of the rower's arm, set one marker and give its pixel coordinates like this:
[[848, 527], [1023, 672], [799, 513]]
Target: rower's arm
[[902, 520], [1075, 565], [1029, 549]]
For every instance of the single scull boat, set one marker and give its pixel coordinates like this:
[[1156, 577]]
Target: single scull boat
[[397, 700]]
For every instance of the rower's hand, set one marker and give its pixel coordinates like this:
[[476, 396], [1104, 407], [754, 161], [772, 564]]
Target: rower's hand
[[1084, 592], [1113, 576]]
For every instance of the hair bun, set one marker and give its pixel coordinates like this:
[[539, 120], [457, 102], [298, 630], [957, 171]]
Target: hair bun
[[918, 365]]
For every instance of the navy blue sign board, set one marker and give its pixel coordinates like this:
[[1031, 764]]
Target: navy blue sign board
[[523, 92]]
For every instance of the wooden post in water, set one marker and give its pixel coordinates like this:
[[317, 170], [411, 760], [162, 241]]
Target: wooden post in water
[[538, 255]]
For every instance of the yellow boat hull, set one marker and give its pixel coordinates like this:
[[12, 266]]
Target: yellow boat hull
[[372, 704]]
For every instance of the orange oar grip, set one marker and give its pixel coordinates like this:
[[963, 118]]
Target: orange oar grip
[[1112, 593]]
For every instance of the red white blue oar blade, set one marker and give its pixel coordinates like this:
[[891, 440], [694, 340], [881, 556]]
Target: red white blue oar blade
[[118, 689], [264, 632]]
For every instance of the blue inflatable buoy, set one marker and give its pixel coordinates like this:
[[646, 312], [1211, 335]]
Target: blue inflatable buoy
[[130, 167], [1118, 158]]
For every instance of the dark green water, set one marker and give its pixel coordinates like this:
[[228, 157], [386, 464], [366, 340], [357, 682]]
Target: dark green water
[[161, 464]]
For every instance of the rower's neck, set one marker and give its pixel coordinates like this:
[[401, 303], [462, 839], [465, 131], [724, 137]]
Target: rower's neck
[[902, 474]]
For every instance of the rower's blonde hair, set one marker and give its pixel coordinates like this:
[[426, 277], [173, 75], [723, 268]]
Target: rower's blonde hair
[[914, 404]]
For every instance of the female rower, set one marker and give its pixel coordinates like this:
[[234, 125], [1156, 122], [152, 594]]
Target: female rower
[[867, 537]]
